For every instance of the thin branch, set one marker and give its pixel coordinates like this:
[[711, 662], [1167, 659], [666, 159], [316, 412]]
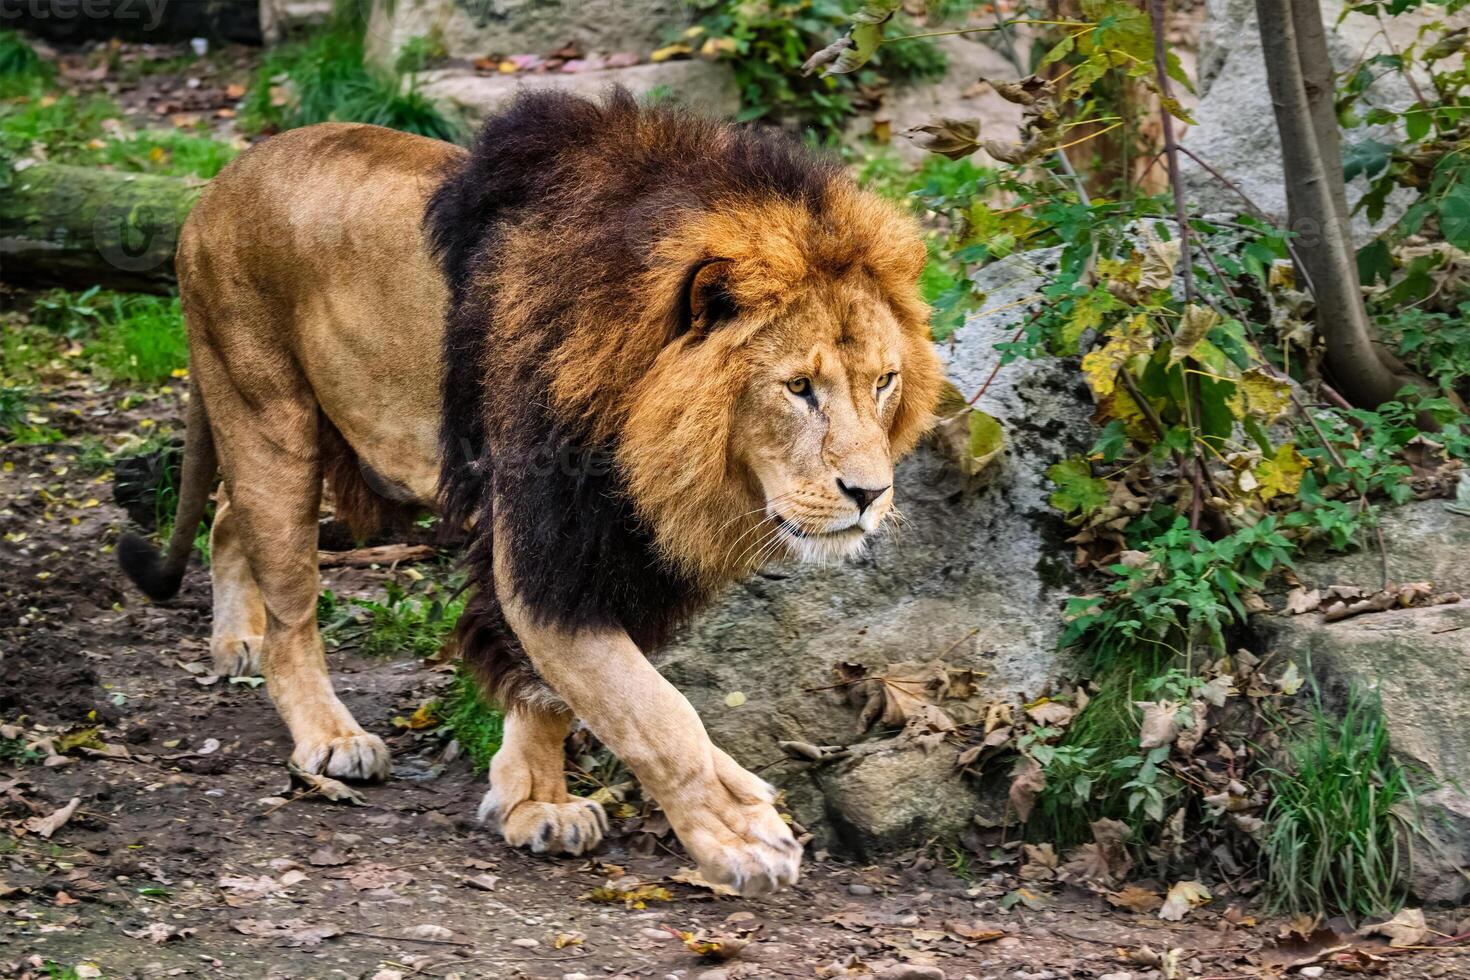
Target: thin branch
[[1171, 146]]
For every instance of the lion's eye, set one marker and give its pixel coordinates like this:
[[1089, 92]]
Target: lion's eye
[[801, 387], [886, 380]]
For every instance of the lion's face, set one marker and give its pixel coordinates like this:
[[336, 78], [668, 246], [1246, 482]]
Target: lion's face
[[797, 369], [812, 426]]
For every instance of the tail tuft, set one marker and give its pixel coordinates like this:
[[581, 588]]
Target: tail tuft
[[145, 565]]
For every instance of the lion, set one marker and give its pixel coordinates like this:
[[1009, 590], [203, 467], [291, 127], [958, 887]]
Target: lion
[[634, 354]]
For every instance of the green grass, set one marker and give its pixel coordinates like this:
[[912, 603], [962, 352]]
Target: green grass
[[19, 64], [475, 723], [168, 152], [1341, 817], [125, 338], [404, 623], [139, 340], [323, 78]]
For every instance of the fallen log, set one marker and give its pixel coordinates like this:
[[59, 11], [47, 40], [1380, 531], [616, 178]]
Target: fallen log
[[79, 226]]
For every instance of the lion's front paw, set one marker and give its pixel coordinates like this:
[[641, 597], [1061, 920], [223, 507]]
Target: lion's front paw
[[729, 825], [360, 756], [573, 827], [236, 656]]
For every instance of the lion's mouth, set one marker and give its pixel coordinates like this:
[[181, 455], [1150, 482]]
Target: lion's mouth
[[793, 529]]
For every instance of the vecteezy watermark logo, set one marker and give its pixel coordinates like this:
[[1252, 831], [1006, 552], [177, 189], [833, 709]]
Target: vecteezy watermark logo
[[147, 12], [136, 237]]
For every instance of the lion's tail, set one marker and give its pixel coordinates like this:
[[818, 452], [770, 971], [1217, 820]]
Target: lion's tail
[[156, 574]]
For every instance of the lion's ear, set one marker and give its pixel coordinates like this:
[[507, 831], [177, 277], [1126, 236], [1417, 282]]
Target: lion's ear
[[706, 302]]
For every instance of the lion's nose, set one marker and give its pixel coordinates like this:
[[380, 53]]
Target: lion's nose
[[862, 496]]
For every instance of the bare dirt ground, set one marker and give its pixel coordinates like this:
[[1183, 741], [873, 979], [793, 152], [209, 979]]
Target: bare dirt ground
[[183, 856]]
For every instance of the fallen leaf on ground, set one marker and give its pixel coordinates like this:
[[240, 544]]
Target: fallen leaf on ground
[[1296, 949], [325, 786], [1408, 928], [1136, 898], [691, 876], [159, 932], [974, 932], [50, 824], [241, 890], [710, 947], [294, 933], [1029, 780], [371, 877], [1184, 896], [328, 857], [1300, 600], [485, 883], [635, 897], [1160, 723]]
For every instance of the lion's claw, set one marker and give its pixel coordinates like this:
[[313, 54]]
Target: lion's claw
[[572, 827], [361, 757]]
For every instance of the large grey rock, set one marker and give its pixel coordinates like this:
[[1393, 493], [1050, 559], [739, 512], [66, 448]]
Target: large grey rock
[[1418, 660], [705, 85], [1236, 127], [967, 559], [477, 28]]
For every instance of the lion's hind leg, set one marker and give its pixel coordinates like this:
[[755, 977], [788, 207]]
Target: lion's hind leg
[[237, 631], [528, 798], [265, 420]]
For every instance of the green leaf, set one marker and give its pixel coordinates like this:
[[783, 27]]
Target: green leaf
[[1454, 215], [1375, 262], [851, 52], [1077, 489], [1063, 48], [1368, 157]]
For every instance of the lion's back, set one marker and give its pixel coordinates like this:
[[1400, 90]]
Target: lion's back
[[312, 208]]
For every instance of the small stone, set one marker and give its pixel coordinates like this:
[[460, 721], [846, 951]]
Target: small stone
[[1124, 975], [911, 971], [657, 935], [1312, 972], [714, 975], [525, 942], [575, 976], [857, 888]]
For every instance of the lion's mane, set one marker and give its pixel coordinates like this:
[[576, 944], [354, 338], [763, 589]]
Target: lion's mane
[[582, 417]]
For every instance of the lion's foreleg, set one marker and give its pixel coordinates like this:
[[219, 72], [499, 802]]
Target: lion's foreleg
[[722, 813], [528, 798]]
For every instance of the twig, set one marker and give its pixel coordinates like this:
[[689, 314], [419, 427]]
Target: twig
[[1255, 209], [292, 799], [1171, 147], [406, 939]]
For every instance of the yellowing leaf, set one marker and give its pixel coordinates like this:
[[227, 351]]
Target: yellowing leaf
[[634, 898], [1159, 260], [1282, 473], [426, 716], [1291, 680], [670, 51], [1260, 394], [853, 50], [1183, 897], [1193, 327], [1126, 341]]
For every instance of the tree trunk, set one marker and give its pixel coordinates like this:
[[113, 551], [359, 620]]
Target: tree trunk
[[77, 226], [1317, 200]]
